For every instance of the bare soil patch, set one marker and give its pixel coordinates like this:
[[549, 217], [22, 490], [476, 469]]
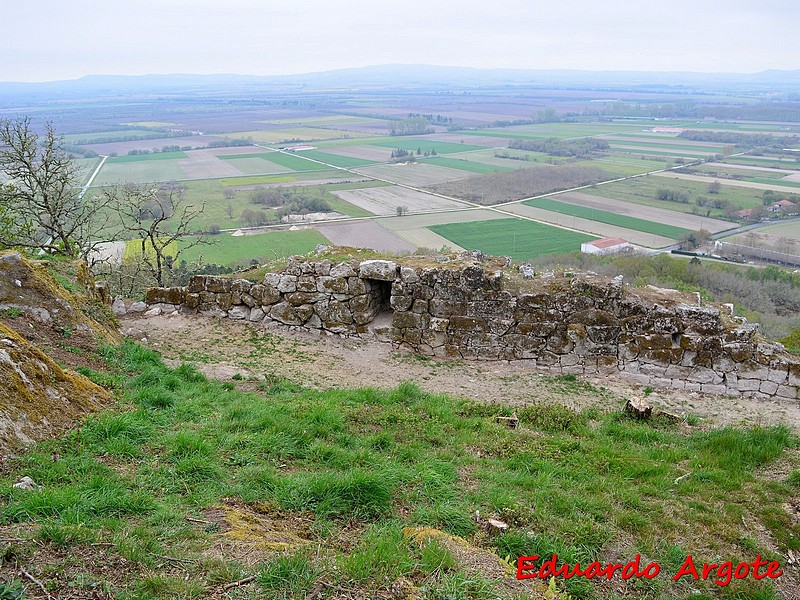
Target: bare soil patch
[[219, 347], [364, 234], [385, 200]]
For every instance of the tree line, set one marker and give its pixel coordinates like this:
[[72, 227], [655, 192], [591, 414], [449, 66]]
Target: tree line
[[581, 148]]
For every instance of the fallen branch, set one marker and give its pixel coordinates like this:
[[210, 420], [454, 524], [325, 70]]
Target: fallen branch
[[36, 581], [682, 477], [203, 521], [235, 584]]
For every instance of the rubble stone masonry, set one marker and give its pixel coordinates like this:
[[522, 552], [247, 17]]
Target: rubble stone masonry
[[582, 324]]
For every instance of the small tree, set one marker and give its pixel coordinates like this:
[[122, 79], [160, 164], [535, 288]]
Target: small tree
[[158, 230], [714, 187], [42, 205]]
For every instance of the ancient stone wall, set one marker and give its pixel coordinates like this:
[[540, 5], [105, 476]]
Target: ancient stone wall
[[578, 324]]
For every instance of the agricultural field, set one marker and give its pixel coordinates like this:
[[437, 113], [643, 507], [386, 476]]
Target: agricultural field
[[465, 165], [517, 238], [788, 230], [143, 171], [644, 190], [294, 134], [386, 200], [412, 144], [365, 234], [757, 183], [229, 250], [415, 228], [413, 174], [627, 221], [337, 160]]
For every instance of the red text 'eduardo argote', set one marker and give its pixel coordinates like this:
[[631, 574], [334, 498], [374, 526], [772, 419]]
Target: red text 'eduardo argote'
[[722, 574]]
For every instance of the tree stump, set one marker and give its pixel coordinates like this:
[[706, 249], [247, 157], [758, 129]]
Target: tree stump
[[638, 408]]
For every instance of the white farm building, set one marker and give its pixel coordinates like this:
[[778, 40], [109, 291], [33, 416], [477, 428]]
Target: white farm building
[[605, 246]]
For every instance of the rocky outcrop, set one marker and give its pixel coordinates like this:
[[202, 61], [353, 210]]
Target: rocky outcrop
[[37, 397], [578, 324]]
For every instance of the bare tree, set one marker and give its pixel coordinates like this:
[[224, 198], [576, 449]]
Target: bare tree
[[158, 218], [42, 205]]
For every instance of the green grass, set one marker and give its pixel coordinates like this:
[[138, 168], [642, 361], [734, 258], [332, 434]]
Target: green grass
[[145, 157], [426, 145], [611, 218], [464, 165], [643, 190], [264, 246], [517, 238], [337, 159], [349, 469], [293, 161]]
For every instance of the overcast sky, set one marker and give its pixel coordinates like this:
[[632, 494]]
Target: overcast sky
[[65, 39]]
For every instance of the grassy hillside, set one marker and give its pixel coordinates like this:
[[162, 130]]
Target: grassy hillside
[[193, 485]]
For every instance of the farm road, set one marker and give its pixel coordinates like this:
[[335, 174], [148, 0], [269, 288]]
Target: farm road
[[732, 182]]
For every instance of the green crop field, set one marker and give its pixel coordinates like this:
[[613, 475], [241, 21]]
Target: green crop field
[[145, 157], [602, 216], [652, 152], [465, 165], [100, 137], [413, 144], [230, 250], [680, 144], [336, 159], [292, 161], [763, 162], [517, 238]]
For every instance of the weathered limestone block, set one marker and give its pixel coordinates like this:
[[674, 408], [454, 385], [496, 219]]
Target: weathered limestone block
[[265, 294], [713, 388], [213, 311], [381, 270], [197, 283], [322, 268], [333, 313], [748, 385], [445, 309], [306, 283], [298, 298], [175, 295], [225, 300], [768, 387], [559, 342], [537, 329], [287, 284], [291, 315], [256, 314], [314, 322], [342, 270], [420, 306], [239, 312], [332, 285], [408, 275], [192, 301], [272, 279], [356, 286], [218, 285], [249, 300], [401, 303], [307, 268], [406, 320], [790, 392], [462, 323], [241, 286]]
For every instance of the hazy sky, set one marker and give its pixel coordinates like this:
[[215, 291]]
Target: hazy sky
[[65, 39]]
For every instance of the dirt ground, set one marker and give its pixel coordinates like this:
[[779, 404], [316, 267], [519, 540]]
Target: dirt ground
[[223, 349]]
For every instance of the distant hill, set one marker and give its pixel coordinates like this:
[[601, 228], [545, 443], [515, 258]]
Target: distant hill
[[402, 76]]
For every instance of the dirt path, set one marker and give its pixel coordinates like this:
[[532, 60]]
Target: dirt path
[[223, 349]]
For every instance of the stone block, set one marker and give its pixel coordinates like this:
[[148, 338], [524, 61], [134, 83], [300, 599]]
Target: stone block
[[306, 283], [401, 303], [287, 284], [342, 270], [239, 312], [256, 314], [768, 387], [381, 270], [408, 275], [218, 285], [332, 285], [713, 388]]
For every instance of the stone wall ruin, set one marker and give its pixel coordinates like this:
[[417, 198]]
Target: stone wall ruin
[[580, 324]]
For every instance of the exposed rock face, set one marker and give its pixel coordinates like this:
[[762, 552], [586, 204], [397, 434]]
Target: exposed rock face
[[583, 324], [37, 397]]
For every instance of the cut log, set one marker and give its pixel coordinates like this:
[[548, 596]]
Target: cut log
[[639, 408], [511, 422]]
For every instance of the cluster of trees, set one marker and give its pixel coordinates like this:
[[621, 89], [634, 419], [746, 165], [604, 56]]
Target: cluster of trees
[[581, 148], [765, 111], [673, 196], [230, 142], [283, 202], [411, 126], [433, 119], [43, 207], [494, 188], [157, 150], [742, 140]]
